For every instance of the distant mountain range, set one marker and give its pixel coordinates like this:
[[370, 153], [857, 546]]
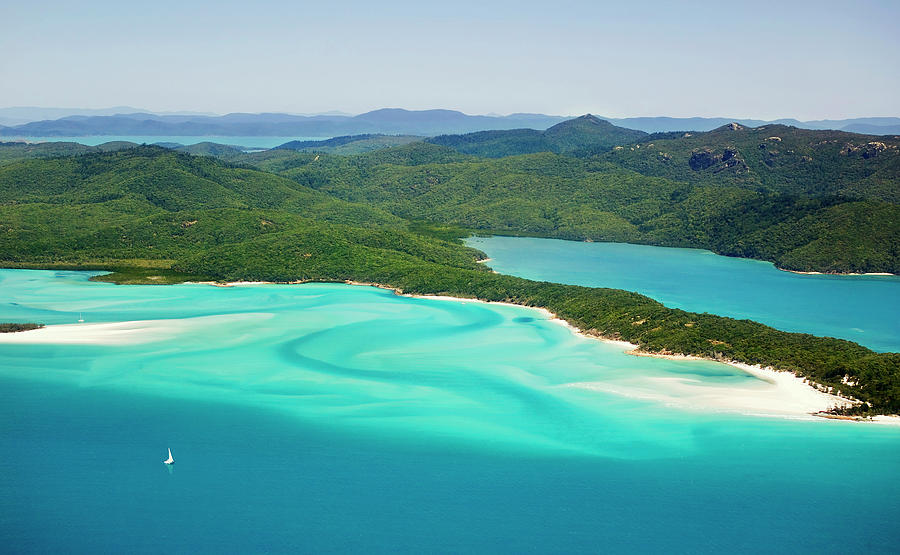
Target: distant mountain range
[[125, 121], [18, 115], [869, 126], [388, 120]]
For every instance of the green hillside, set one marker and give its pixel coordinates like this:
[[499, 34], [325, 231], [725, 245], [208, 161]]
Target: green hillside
[[351, 144], [15, 151], [552, 195], [774, 158], [149, 206], [211, 149], [581, 136]]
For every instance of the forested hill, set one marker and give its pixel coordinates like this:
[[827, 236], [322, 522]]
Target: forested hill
[[350, 144], [148, 207], [552, 195], [14, 151], [805, 200], [582, 136], [775, 158], [772, 158], [158, 216]]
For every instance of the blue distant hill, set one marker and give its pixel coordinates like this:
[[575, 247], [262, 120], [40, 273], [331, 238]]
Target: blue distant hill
[[391, 121], [385, 121]]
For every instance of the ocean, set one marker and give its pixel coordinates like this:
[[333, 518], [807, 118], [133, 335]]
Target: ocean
[[337, 418]]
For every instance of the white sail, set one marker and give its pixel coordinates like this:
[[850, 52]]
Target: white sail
[[170, 460]]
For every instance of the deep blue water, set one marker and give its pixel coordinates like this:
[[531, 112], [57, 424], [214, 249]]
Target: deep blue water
[[863, 309], [332, 418]]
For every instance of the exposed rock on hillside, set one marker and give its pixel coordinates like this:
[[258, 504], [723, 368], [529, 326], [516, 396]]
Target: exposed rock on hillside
[[706, 158]]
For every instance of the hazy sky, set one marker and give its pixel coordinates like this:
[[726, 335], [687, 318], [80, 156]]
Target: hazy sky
[[761, 59]]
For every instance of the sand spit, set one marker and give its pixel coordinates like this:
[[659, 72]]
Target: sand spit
[[122, 333]]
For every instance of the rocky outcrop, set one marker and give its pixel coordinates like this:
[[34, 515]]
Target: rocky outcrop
[[872, 149], [700, 160], [868, 150], [706, 159]]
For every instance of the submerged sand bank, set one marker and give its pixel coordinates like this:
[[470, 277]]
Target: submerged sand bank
[[776, 394]]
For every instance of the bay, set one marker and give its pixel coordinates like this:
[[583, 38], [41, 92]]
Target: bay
[[861, 308]]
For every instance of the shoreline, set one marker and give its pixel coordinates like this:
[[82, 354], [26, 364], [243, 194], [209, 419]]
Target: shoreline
[[802, 273], [778, 378], [500, 234], [782, 380]]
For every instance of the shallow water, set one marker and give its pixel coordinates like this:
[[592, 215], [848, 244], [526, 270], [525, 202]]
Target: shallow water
[[334, 418], [863, 309]]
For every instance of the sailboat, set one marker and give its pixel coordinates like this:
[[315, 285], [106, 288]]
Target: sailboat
[[80, 318], [170, 460]]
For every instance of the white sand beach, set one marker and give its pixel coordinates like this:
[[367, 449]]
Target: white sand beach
[[774, 394], [122, 333]]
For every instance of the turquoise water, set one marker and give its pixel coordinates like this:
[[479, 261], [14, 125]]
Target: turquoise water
[[327, 417], [863, 309], [249, 142]]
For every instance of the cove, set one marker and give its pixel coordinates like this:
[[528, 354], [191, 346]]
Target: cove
[[863, 309]]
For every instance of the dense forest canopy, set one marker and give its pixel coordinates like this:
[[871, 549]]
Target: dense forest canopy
[[835, 211]]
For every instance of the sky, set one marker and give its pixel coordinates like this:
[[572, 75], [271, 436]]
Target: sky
[[756, 59]]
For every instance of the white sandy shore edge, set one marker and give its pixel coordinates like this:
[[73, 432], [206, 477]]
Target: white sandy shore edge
[[236, 283], [110, 333], [781, 394], [132, 332], [836, 274]]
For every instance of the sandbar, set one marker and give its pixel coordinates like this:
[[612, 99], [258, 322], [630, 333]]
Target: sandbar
[[132, 332]]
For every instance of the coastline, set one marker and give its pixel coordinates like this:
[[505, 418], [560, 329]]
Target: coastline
[[802, 273], [815, 402]]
